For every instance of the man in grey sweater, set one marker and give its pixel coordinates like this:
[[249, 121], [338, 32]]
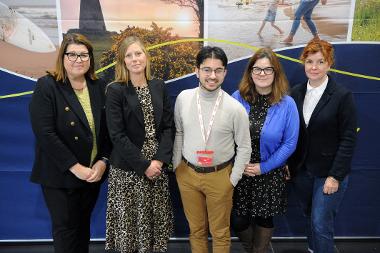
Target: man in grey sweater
[[211, 148]]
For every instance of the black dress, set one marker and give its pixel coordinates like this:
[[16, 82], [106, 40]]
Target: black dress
[[262, 195]]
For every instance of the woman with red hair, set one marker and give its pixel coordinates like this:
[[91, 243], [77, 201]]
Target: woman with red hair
[[322, 161]]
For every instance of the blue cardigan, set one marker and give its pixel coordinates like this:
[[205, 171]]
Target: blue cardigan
[[279, 135]]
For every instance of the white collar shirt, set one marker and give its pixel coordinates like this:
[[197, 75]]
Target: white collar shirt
[[312, 97]]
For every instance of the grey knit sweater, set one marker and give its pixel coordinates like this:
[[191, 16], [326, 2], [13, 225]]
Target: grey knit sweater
[[231, 126]]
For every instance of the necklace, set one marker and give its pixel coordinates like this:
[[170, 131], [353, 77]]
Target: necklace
[[82, 84], [80, 88]]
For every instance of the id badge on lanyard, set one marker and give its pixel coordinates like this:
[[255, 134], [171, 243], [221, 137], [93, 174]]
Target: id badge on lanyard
[[206, 157]]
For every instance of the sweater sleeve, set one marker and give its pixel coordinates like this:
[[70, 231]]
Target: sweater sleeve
[[236, 95], [288, 143], [178, 141], [243, 144]]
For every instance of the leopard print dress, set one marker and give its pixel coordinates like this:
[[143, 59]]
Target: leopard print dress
[[139, 211]]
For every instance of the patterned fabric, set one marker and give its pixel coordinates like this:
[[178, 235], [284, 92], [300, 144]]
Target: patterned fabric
[[139, 212], [262, 195], [84, 99]]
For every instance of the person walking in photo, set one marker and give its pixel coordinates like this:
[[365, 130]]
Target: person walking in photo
[[305, 10], [271, 17]]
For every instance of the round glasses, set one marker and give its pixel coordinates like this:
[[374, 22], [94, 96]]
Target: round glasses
[[74, 56], [208, 71], [258, 71]]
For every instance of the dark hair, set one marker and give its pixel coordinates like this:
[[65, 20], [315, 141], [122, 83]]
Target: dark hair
[[73, 38], [280, 83], [318, 45], [211, 52]]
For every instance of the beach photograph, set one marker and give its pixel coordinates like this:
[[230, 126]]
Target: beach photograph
[[29, 30], [107, 22], [240, 21]]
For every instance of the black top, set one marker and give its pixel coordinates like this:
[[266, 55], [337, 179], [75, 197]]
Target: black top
[[257, 117], [125, 121], [63, 135], [326, 146]]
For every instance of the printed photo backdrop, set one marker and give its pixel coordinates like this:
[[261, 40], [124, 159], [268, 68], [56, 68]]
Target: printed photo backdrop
[[29, 36], [366, 21], [240, 21], [106, 23], [30, 31]]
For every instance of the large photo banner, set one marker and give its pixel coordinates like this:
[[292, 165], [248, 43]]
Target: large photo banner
[[174, 31]]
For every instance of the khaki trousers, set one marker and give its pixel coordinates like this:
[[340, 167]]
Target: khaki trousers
[[207, 202]]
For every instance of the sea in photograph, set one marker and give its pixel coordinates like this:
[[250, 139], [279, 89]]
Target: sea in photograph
[[45, 17], [239, 21], [30, 61]]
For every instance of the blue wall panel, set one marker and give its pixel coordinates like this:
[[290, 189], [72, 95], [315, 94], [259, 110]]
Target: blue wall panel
[[23, 214]]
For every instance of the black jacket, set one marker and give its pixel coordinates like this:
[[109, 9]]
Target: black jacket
[[63, 135], [125, 122], [326, 146]]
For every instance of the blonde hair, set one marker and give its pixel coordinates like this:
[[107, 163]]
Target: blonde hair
[[280, 83], [121, 71]]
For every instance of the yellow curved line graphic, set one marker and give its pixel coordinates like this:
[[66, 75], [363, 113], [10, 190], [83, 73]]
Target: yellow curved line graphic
[[16, 94], [218, 41]]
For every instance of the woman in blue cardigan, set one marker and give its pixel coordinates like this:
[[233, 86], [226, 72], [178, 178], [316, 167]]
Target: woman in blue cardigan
[[274, 125]]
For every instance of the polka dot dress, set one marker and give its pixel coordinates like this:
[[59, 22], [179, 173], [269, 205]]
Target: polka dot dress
[[262, 195]]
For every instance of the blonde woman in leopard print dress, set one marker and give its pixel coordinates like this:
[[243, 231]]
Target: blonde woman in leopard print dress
[[140, 121]]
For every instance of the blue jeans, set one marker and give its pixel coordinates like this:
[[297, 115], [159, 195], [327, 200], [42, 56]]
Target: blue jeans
[[319, 209], [305, 9]]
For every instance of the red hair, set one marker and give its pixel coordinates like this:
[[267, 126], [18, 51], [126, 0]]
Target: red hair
[[318, 45]]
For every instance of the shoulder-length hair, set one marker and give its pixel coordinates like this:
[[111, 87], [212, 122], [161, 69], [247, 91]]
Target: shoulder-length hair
[[280, 83], [121, 71], [59, 73]]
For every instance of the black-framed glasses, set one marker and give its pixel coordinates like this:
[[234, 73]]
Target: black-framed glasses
[[267, 70], [72, 56], [208, 71]]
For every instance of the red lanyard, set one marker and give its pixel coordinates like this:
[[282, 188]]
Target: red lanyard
[[217, 103]]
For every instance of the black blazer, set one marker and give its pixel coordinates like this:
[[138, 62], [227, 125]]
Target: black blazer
[[63, 135], [326, 146], [125, 122]]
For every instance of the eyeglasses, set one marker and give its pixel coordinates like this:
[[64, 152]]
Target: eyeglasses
[[267, 70], [74, 56], [208, 71]]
